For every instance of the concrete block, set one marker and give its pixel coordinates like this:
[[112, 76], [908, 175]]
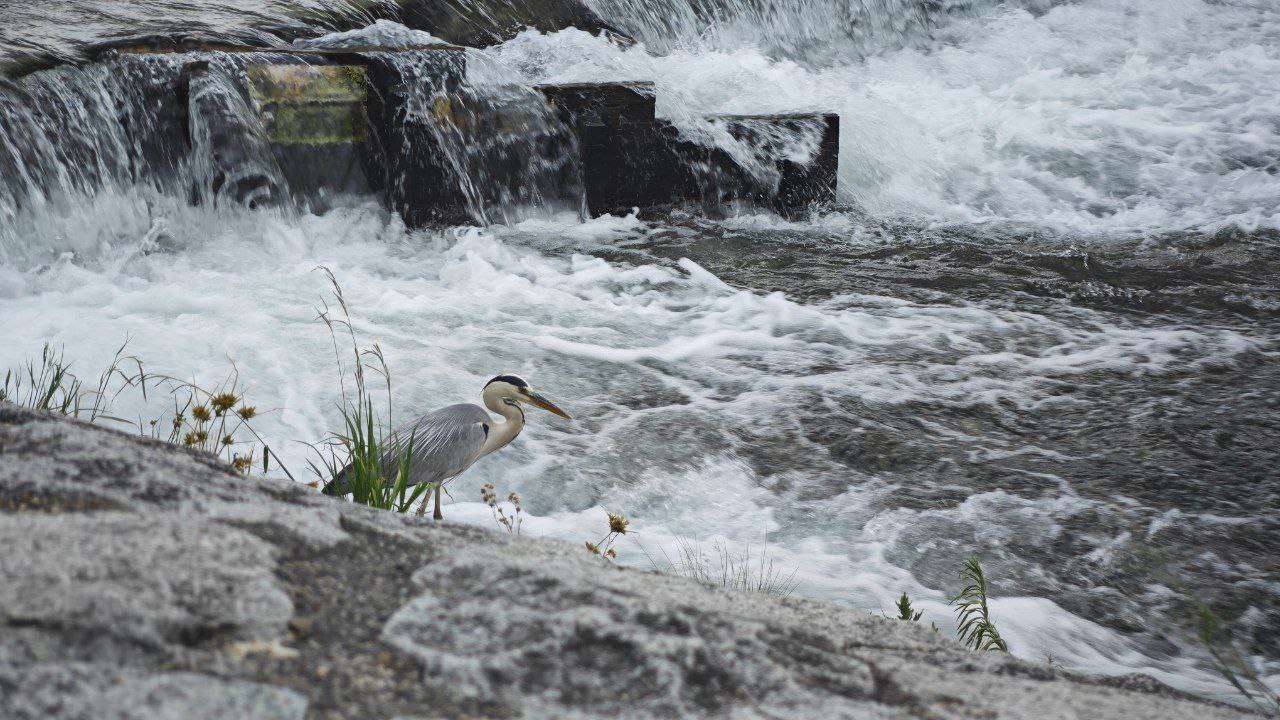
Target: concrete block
[[314, 116], [633, 160], [488, 22], [613, 105]]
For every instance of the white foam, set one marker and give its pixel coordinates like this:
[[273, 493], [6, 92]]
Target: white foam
[[1164, 121], [667, 370]]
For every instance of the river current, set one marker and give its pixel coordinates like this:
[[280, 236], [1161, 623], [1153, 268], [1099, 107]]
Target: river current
[[1041, 327]]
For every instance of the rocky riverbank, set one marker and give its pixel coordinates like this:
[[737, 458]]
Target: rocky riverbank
[[141, 580]]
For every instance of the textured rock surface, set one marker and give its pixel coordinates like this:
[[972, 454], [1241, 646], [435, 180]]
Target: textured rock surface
[[480, 24], [140, 580]]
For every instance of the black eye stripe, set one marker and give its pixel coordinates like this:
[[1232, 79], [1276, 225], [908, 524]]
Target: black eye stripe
[[510, 379]]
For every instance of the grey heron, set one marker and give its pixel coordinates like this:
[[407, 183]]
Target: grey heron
[[448, 441]]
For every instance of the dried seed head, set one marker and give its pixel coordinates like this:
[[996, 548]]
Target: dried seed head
[[618, 524], [223, 402], [189, 439], [612, 554], [593, 548], [201, 413], [247, 412], [228, 440], [201, 436]]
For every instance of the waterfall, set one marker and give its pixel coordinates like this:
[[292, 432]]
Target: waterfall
[[507, 154], [815, 31], [734, 158], [69, 135], [231, 158], [512, 157]]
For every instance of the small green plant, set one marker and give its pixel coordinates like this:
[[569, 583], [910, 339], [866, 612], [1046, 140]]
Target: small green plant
[[604, 548], [906, 612], [723, 568], [369, 464], [365, 459], [511, 522], [1233, 668], [975, 627]]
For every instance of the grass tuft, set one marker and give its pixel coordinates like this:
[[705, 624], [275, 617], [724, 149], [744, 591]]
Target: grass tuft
[[722, 568], [213, 420], [202, 419], [47, 385], [50, 385], [366, 459]]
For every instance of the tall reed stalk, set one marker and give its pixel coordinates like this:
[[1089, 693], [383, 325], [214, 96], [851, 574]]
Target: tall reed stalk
[[366, 460]]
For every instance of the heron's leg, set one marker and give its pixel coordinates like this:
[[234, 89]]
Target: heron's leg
[[438, 515]]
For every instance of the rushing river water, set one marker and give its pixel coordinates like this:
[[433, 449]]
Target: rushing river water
[[1043, 326]]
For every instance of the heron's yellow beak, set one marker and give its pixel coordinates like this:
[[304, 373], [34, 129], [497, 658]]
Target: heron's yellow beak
[[537, 400]]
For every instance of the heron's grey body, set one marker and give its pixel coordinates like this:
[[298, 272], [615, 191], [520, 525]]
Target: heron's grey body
[[447, 441]]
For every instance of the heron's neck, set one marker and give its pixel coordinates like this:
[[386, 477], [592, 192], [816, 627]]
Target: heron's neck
[[502, 433]]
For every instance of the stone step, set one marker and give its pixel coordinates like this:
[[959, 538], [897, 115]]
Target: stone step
[[631, 159], [613, 105]]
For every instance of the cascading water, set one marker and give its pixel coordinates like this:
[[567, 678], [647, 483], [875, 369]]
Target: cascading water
[[510, 156], [69, 136], [231, 156], [754, 146], [816, 31], [508, 153], [158, 129], [1041, 326]]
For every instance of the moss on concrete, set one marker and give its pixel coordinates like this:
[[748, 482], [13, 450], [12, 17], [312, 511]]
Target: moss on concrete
[[311, 104]]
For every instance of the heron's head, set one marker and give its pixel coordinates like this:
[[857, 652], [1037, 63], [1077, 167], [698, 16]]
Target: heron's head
[[513, 390]]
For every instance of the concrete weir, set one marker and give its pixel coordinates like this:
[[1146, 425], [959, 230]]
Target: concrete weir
[[394, 122]]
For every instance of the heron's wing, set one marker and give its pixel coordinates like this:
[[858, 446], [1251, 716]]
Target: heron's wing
[[444, 443]]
